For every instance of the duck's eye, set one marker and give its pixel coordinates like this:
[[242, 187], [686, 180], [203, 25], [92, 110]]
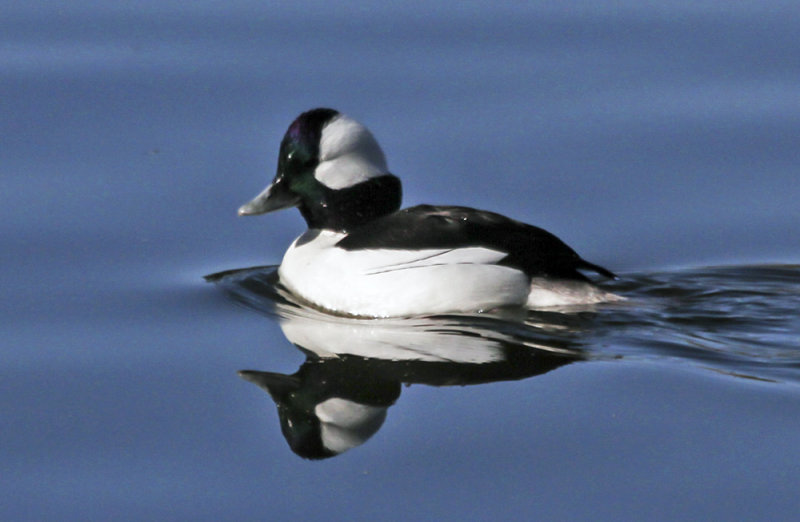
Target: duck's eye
[[296, 156]]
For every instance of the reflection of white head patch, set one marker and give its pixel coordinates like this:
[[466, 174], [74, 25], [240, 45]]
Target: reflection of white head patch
[[348, 154], [346, 424]]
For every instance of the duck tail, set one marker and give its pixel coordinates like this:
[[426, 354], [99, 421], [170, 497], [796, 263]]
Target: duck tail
[[597, 268]]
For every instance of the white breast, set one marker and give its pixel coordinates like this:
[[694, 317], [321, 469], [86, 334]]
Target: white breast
[[386, 283]]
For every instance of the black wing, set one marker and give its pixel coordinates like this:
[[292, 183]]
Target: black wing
[[535, 251]]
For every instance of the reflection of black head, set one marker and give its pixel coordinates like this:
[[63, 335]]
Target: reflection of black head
[[328, 406], [332, 405]]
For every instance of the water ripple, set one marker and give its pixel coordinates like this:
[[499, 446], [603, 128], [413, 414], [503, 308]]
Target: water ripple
[[741, 321]]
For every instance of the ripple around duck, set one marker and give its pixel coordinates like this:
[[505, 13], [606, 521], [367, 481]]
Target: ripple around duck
[[742, 321]]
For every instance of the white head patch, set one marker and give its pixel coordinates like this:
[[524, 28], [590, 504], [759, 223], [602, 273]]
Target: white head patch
[[348, 154]]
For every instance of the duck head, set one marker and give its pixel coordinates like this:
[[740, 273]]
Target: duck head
[[332, 169]]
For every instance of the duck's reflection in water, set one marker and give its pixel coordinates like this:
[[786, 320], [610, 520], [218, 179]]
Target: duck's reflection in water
[[355, 368]]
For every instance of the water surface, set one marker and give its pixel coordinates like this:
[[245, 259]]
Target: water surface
[[658, 140]]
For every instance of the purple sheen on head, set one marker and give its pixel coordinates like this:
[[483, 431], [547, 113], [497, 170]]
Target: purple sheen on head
[[305, 132], [295, 130]]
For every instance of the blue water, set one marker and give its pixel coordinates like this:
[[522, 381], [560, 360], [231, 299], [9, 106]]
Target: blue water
[[659, 140]]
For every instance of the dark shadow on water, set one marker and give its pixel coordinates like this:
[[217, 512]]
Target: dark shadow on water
[[738, 321]]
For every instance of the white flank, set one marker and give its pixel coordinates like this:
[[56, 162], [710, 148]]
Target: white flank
[[349, 154], [391, 283], [548, 293]]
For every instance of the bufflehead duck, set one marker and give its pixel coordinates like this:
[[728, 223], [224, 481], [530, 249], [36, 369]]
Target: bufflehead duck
[[363, 256]]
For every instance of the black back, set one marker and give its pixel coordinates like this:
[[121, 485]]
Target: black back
[[531, 249]]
